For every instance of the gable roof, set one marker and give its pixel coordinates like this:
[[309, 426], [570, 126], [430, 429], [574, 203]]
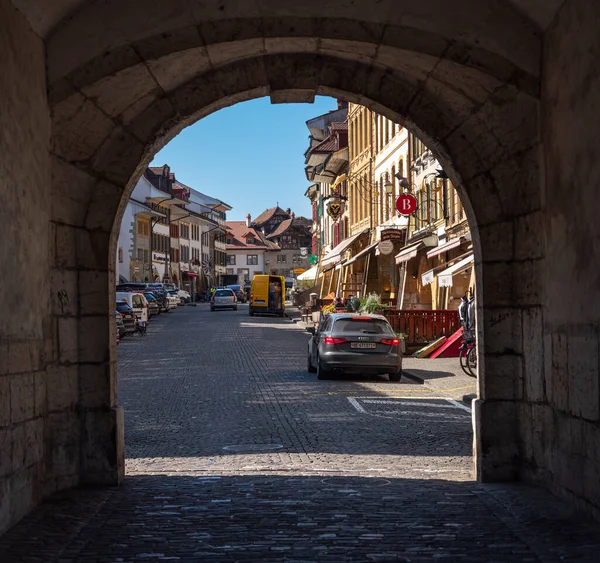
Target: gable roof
[[239, 233], [268, 214], [281, 228]]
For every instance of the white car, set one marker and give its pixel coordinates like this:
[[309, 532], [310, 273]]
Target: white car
[[174, 300], [184, 296]]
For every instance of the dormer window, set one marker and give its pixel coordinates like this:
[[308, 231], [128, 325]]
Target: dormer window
[[250, 240]]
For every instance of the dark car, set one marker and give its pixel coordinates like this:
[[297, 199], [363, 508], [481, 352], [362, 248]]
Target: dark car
[[153, 306], [239, 292], [128, 317], [356, 343]]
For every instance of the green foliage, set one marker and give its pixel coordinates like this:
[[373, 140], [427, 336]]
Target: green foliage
[[306, 284], [371, 304]]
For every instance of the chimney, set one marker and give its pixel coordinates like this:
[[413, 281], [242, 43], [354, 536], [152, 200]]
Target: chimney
[[248, 220], [288, 210]]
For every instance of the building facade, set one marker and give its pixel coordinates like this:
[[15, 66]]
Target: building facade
[[291, 238], [246, 249], [420, 261], [171, 233]]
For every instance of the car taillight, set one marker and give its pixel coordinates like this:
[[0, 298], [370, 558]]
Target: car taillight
[[332, 340], [390, 341]]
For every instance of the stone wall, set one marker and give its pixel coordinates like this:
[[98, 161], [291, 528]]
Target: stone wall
[[566, 431], [28, 347]]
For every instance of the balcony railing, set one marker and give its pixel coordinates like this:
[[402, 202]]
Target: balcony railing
[[220, 245]]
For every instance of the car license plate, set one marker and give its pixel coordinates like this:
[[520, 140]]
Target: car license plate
[[363, 345]]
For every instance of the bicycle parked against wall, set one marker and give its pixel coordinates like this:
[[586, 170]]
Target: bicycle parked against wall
[[468, 350]]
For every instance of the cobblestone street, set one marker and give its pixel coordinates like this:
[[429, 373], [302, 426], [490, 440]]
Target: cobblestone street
[[236, 453]]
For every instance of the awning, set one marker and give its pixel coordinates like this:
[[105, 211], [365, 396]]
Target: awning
[[428, 276], [452, 243], [445, 277], [335, 255], [409, 252], [362, 254], [310, 274]]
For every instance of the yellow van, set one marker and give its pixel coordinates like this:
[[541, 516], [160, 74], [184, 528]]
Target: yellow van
[[267, 295]]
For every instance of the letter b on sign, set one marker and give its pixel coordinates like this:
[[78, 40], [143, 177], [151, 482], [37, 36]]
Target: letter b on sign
[[406, 204]]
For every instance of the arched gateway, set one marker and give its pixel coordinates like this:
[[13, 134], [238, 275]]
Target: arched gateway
[[505, 93]]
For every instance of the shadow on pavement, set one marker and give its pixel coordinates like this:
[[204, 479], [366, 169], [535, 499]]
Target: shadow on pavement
[[253, 517]]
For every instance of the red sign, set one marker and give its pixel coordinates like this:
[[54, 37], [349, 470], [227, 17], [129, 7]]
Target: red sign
[[406, 204]]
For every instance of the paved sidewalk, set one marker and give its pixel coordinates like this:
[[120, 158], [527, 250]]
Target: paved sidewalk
[[442, 375]]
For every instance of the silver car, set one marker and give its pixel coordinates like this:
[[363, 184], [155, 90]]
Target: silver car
[[223, 299], [352, 342]]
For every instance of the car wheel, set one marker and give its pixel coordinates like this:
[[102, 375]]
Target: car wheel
[[322, 373], [395, 376]]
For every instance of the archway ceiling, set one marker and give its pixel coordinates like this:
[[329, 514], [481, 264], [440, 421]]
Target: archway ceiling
[[501, 37], [46, 15]]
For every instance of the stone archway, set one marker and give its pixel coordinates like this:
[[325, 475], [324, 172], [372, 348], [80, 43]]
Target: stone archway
[[107, 84]]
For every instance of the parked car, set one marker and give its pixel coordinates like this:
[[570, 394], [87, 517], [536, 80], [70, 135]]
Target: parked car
[[352, 342], [184, 296], [127, 316], [153, 307], [137, 302], [173, 299], [120, 325], [223, 299], [239, 292]]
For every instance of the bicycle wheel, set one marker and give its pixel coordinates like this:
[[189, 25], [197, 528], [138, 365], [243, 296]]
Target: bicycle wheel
[[472, 361], [462, 356]]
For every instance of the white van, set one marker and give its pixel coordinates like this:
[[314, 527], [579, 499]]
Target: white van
[[137, 301]]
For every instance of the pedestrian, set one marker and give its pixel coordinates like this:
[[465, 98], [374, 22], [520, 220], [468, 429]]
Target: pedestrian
[[337, 304]]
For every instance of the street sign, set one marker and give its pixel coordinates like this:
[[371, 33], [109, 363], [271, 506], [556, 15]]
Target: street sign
[[406, 204], [386, 247], [313, 259]]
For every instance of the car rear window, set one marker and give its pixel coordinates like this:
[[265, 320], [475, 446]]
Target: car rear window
[[372, 326], [121, 307], [223, 293]]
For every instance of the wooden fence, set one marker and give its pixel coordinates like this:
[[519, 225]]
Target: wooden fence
[[420, 327], [423, 326]]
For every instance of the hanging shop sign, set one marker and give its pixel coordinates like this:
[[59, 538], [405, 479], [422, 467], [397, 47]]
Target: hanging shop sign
[[386, 246], [304, 251], [313, 259], [395, 235], [406, 204], [335, 209], [299, 271]]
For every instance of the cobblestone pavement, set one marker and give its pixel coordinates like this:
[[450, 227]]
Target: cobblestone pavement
[[236, 453]]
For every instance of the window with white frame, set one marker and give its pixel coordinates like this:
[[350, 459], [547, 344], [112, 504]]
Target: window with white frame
[[252, 260]]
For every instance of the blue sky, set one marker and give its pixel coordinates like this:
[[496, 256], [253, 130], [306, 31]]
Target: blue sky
[[249, 155]]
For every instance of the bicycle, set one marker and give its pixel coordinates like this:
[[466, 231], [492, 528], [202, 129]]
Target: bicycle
[[468, 357]]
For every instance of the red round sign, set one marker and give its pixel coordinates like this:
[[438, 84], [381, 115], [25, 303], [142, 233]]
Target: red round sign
[[406, 204]]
